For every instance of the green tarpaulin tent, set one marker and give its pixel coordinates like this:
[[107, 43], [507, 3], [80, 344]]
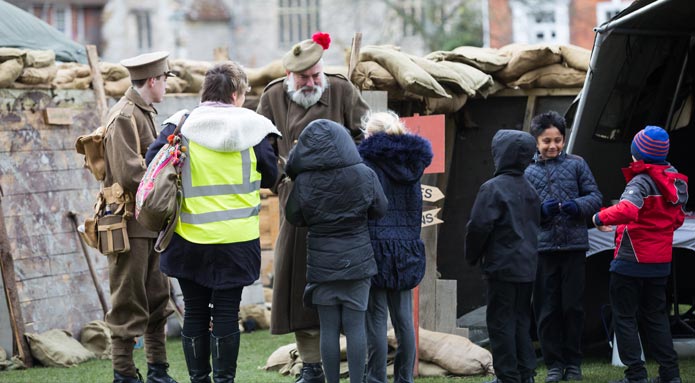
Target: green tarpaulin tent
[[20, 29]]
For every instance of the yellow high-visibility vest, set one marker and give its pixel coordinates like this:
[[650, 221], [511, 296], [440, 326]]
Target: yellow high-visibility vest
[[221, 198]]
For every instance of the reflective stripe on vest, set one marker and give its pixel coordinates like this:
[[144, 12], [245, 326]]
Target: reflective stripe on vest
[[220, 203]]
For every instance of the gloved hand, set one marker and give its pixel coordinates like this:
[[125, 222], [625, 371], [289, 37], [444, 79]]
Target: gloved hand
[[550, 208], [570, 207]]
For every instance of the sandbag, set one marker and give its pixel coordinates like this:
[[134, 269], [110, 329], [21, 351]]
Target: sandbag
[[476, 79], [57, 348], [445, 105], [488, 60], [176, 85], [369, 75], [551, 76], [10, 70], [11, 54], [96, 337], [456, 354], [64, 76], [117, 88], [257, 313], [281, 357], [576, 57], [444, 75], [262, 76], [35, 76], [112, 72], [408, 74], [40, 58], [524, 58]]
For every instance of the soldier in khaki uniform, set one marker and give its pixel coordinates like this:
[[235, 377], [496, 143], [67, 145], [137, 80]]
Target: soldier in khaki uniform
[[291, 103], [139, 290]]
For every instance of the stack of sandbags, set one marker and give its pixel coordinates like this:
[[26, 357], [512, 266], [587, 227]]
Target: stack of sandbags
[[73, 76], [116, 78], [260, 77], [39, 68], [544, 66], [192, 72], [11, 65]]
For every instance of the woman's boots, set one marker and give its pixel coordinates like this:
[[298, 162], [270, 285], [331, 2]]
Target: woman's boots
[[225, 351], [197, 353]]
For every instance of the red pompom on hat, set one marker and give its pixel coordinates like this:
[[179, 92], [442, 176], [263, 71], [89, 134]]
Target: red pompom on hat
[[322, 39], [307, 53]]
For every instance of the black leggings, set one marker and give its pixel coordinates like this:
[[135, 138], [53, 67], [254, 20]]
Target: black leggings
[[205, 308]]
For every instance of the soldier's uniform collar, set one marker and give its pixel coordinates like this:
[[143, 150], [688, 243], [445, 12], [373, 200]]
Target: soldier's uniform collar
[[134, 96]]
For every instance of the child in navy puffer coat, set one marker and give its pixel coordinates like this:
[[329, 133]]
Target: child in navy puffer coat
[[399, 160], [334, 195]]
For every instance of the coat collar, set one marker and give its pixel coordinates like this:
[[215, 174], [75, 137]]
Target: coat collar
[[134, 96]]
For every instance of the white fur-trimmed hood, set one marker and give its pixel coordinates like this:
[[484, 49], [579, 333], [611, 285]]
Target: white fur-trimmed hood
[[226, 128]]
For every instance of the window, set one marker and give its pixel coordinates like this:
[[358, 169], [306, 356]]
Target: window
[[144, 29], [62, 19], [540, 21], [606, 10], [298, 20]]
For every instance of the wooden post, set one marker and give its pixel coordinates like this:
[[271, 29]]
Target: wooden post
[[9, 279], [97, 83], [354, 54]]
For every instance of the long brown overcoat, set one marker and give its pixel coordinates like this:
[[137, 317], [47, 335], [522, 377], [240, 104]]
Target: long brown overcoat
[[341, 102]]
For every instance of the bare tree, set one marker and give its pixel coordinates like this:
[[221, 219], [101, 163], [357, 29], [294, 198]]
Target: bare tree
[[442, 24]]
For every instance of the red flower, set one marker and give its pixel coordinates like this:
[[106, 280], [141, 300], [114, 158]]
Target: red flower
[[322, 39], [170, 139]]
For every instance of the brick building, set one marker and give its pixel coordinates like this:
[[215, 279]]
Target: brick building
[[547, 21]]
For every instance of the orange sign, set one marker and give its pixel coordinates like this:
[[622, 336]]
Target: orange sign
[[430, 128]]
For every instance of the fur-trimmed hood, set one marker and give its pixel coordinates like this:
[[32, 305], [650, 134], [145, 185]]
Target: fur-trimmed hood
[[227, 128], [402, 157]]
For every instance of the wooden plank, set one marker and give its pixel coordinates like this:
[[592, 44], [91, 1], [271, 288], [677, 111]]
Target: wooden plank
[[376, 99], [29, 139], [427, 286], [445, 318], [28, 161], [97, 83], [58, 202], [530, 112], [509, 92], [47, 314], [12, 294], [57, 116], [46, 181], [354, 54]]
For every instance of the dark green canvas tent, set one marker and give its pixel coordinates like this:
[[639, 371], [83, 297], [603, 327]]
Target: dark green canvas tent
[[642, 72], [19, 29]]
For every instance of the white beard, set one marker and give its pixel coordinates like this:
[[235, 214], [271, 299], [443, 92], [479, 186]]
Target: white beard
[[308, 95]]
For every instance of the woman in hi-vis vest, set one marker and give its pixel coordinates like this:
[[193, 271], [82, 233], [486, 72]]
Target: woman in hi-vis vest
[[215, 250]]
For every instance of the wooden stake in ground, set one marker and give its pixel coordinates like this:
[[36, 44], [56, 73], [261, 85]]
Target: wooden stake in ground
[[9, 280], [97, 83], [354, 54]]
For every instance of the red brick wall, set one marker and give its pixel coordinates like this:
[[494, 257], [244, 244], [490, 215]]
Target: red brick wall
[[582, 22], [500, 23]]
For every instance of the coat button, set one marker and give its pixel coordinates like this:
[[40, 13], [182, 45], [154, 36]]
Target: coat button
[[294, 142]]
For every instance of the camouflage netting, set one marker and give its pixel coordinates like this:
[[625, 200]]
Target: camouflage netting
[[442, 80]]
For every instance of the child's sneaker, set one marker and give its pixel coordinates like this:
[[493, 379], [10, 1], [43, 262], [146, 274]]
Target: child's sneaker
[[572, 373], [554, 375]]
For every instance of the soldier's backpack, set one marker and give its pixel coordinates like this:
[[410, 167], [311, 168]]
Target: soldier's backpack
[[105, 229]]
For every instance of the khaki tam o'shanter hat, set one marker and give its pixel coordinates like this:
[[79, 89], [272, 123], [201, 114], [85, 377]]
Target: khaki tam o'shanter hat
[[307, 53], [148, 65]]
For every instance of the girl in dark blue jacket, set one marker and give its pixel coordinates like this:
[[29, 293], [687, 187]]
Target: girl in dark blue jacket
[[334, 195], [569, 195], [399, 160]]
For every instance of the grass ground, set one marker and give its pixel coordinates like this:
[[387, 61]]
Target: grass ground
[[255, 349]]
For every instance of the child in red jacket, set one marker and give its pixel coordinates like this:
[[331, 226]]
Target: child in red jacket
[[649, 211]]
